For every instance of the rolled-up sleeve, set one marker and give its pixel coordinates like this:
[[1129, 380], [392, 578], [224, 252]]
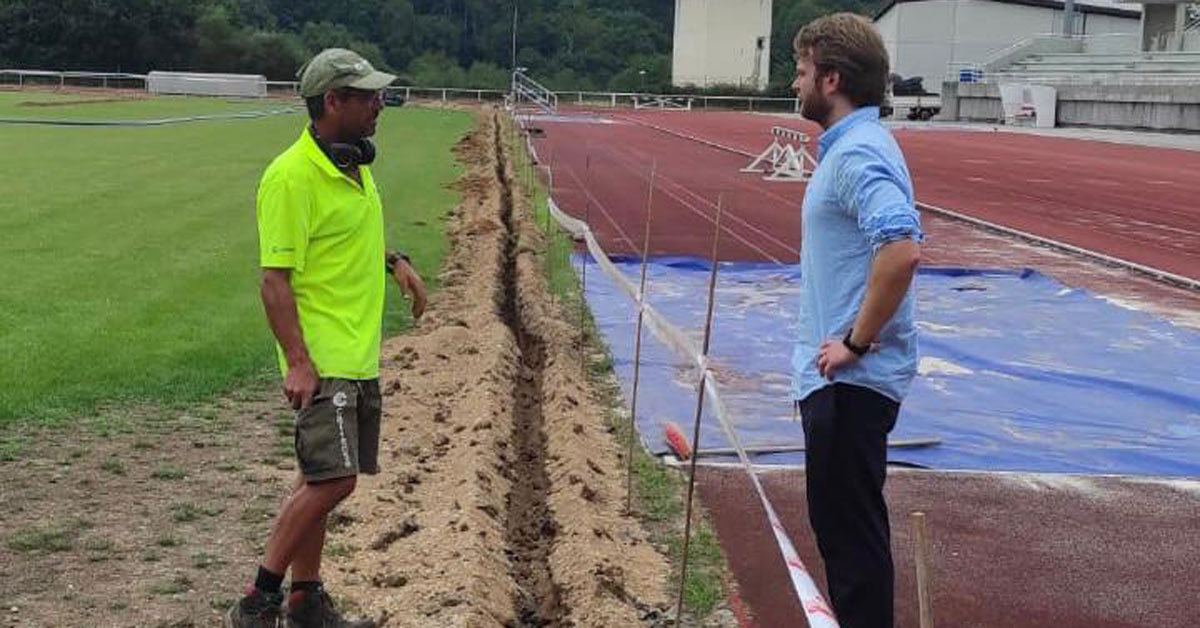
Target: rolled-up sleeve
[[878, 192]]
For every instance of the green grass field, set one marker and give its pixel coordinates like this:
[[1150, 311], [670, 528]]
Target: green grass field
[[130, 254], [50, 105]]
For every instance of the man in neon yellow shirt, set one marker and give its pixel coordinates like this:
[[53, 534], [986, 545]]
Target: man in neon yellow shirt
[[321, 242]]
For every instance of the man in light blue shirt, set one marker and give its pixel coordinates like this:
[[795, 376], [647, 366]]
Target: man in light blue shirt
[[856, 354]]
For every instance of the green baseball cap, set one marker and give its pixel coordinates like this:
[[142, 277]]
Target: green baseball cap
[[333, 68]]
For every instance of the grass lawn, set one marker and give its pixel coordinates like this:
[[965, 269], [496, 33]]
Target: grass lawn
[[130, 254], [45, 104]]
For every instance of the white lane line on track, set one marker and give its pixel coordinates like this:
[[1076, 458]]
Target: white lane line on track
[[595, 201], [713, 205], [699, 212], [785, 246], [1162, 275]]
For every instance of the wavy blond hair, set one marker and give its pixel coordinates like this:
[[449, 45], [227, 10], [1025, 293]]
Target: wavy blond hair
[[849, 45]]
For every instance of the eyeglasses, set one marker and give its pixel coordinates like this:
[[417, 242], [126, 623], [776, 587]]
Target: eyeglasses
[[369, 96]]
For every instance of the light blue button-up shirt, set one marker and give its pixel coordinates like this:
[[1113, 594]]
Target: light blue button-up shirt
[[860, 198]]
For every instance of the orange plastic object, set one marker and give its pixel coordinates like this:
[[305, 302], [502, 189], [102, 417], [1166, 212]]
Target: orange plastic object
[[678, 442]]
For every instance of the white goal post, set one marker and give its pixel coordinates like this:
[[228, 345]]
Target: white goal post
[[205, 84]]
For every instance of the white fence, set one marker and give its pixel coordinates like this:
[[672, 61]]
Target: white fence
[[615, 100], [62, 80]]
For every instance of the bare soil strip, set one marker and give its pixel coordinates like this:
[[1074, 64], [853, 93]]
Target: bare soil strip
[[503, 505], [499, 503]]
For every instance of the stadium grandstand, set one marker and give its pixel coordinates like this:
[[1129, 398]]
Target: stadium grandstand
[[1147, 78]]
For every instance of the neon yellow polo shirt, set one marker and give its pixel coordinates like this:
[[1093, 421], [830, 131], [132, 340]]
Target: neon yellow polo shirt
[[326, 228]]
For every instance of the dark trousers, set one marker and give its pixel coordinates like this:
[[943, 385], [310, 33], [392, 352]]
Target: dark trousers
[[845, 433]]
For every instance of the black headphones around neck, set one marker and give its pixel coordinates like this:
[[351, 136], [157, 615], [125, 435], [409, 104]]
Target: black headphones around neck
[[343, 155]]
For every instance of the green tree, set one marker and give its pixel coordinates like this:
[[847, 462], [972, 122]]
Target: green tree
[[572, 44]]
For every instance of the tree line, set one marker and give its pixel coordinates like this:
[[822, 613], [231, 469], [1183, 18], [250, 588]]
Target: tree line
[[567, 44]]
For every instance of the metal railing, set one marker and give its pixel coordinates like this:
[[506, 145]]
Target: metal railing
[[615, 100], [64, 79], [1100, 44], [1106, 79], [525, 87], [621, 100]]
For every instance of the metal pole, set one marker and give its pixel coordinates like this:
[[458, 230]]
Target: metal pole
[[687, 524], [637, 347], [514, 46], [921, 545], [549, 218], [587, 220]]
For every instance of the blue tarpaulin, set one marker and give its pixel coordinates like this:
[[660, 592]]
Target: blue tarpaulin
[[1018, 372]]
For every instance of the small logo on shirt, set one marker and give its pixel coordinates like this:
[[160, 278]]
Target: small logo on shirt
[[339, 400]]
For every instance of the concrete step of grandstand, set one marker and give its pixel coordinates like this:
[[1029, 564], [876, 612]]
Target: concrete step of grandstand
[[1097, 78], [1080, 57], [1155, 68], [1134, 67]]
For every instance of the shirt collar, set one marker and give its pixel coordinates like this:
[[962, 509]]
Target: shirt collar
[[831, 135], [317, 155]]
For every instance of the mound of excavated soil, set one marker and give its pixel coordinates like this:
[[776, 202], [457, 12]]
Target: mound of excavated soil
[[501, 499], [499, 503]]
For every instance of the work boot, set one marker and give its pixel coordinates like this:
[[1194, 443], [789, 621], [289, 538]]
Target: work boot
[[313, 608], [255, 610]]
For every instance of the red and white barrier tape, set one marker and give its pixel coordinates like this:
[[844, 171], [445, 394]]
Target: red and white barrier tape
[[816, 609]]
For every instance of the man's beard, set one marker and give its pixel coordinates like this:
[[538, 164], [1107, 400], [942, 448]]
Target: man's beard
[[350, 132], [816, 108]]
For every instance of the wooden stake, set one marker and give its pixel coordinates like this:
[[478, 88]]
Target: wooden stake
[[587, 220], [637, 348], [687, 524], [921, 546]]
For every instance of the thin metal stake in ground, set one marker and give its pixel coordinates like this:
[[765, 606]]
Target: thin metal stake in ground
[[921, 546], [637, 349], [687, 524], [587, 220]]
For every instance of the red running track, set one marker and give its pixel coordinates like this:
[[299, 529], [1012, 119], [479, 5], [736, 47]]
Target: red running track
[[1135, 203], [601, 174]]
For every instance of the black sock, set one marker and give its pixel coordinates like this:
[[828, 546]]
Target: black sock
[[308, 586], [268, 581]]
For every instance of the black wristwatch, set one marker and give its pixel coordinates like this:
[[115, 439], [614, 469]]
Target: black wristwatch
[[856, 350], [390, 259]]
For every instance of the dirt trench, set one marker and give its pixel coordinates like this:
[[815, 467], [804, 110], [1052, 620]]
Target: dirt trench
[[500, 503], [531, 528]]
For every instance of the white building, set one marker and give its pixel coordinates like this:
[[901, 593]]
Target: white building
[[722, 42], [924, 37]]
